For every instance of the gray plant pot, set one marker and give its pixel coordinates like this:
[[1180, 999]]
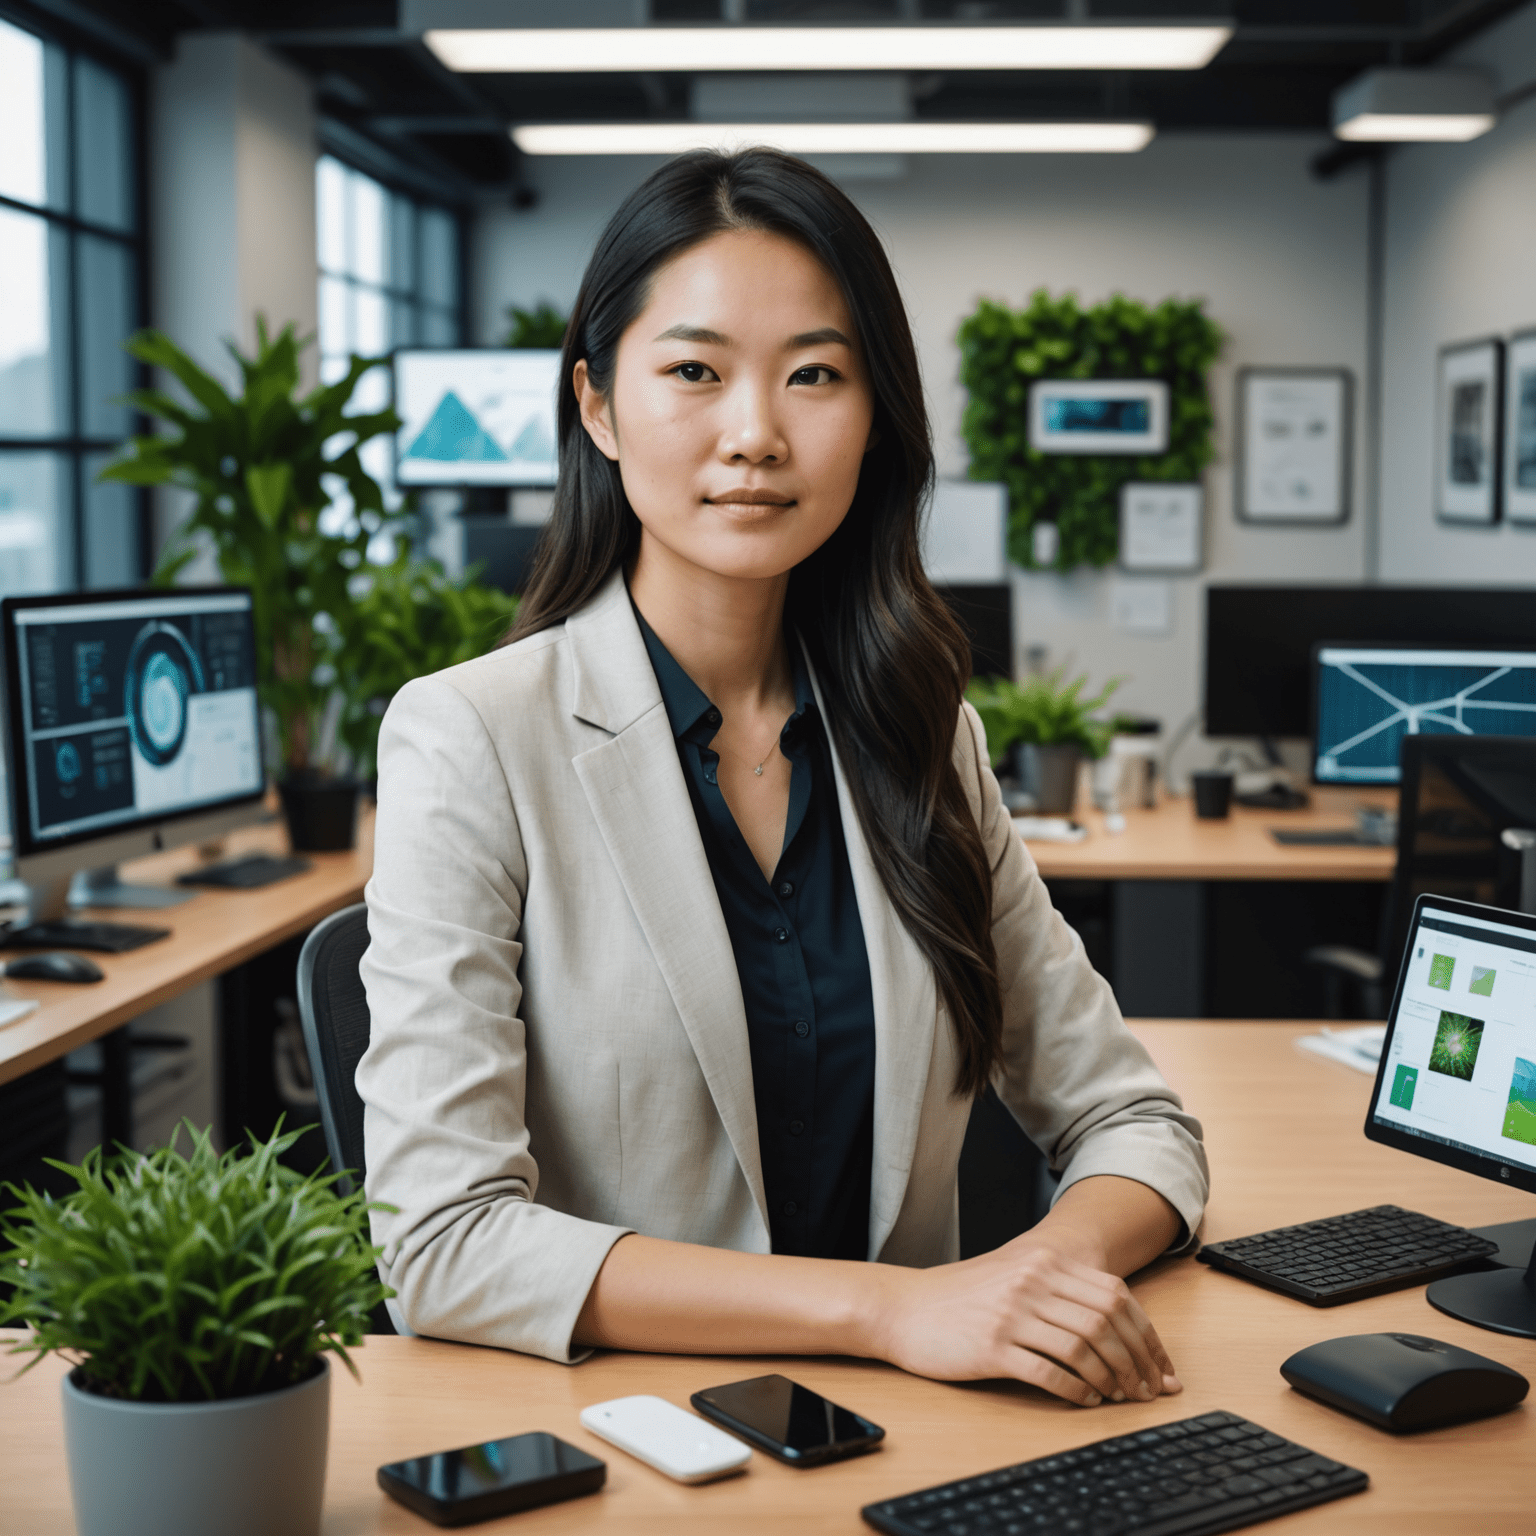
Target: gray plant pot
[[251, 1466], [1050, 776]]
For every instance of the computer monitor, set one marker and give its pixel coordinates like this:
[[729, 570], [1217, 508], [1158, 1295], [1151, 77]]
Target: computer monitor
[[1259, 640], [132, 724], [476, 416], [1368, 698], [1457, 1080]]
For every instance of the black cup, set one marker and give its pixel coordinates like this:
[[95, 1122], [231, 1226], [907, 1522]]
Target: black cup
[[1213, 793]]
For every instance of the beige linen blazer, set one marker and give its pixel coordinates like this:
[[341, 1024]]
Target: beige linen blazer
[[559, 1047]]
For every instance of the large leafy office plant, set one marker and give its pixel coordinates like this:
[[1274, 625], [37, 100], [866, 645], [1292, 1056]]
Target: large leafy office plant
[[175, 1278], [263, 466], [1043, 712], [1003, 351]]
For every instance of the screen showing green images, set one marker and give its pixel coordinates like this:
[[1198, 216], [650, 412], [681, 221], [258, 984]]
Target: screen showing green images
[[1457, 1041], [1403, 1084], [1440, 969], [1482, 980], [1520, 1117]]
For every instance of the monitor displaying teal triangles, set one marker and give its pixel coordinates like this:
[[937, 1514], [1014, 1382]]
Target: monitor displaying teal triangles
[[452, 433]]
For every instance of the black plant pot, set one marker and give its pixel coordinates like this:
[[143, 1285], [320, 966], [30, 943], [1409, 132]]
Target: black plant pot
[[321, 812]]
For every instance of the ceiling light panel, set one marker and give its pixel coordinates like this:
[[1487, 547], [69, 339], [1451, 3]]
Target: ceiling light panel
[[1404, 105], [597, 50], [834, 138]]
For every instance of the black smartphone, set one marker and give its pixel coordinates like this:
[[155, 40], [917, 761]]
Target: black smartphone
[[790, 1422], [480, 1482]]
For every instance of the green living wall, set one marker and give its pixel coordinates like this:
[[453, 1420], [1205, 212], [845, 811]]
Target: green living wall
[[1003, 351]]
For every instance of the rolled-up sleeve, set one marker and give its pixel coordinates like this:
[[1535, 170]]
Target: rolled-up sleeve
[[471, 1254], [1079, 1083]]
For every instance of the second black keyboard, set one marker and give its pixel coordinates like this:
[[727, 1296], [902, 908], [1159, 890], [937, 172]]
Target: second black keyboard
[[1191, 1478], [1345, 1258]]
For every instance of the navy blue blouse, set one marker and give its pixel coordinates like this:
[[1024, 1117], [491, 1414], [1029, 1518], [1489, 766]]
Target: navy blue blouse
[[804, 970]]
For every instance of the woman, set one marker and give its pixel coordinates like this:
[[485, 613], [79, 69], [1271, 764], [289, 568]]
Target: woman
[[697, 922]]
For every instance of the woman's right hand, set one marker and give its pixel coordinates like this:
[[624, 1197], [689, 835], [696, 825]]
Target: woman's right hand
[[1028, 1310]]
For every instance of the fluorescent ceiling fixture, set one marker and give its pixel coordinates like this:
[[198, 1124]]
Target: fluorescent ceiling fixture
[[834, 138], [1402, 105], [591, 50], [1408, 127]]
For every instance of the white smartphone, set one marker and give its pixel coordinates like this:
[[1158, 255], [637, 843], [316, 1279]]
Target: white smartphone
[[667, 1437]]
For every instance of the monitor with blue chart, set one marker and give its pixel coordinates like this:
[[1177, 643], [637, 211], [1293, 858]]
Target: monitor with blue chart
[[475, 416], [1457, 1080], [1367, 698], [133, 724]]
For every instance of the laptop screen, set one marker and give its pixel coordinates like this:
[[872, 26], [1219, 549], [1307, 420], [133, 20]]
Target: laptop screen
[[1459, 1065]]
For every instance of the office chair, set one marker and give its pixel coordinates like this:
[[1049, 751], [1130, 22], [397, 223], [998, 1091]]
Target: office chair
[[1465, 817], [333, 1010]]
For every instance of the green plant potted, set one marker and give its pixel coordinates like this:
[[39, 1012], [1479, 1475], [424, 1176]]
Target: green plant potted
[[198, 1297], [1049, 726], [542, 326], [284, 502], [412, 619]]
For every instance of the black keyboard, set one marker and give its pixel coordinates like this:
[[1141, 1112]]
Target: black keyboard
[[110, 938], [1213, 1473], [247, 874], [1346, 1257]]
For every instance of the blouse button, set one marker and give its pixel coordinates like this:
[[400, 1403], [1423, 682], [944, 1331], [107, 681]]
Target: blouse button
[[713, 717], [790, 1207], [782, 935], [786, 888], [802, 1028], [796, 1126]]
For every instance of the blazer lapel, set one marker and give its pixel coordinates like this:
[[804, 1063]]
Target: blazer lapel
[[906, 1002], [634, 785]]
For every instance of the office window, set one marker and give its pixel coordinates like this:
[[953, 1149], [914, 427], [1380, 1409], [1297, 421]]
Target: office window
[[389, 277], [71, 260]]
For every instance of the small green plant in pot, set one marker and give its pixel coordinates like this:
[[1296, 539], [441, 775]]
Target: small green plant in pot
[[411, 620], [1050, 725], [197, 1296], [264, 466]]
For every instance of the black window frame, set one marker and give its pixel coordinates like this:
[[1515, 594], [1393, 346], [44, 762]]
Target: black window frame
[[406, 186], [76, 445]]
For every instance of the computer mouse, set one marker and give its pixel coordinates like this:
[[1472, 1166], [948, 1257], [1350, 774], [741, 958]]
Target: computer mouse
[[55, 965], [1402, 1381]]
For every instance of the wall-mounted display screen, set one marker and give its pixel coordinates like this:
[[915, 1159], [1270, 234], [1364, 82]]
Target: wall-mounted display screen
[[476, 417]]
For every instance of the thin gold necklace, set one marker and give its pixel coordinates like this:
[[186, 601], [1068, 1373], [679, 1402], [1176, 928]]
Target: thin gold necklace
[[756, 768]]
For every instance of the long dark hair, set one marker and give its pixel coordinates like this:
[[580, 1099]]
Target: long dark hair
[[891, 660]]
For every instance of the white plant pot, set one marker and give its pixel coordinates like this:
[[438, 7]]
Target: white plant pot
[[251, 1466]]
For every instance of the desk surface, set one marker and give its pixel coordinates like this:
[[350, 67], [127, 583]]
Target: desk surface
[[209, 934], [1283, 1131], [1172, 843]]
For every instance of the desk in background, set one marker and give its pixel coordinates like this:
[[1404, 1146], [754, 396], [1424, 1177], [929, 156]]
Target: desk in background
[[211, 935], [1283, 1131], [1190, 918]]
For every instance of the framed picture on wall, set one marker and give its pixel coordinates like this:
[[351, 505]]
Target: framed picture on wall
[[1520, 429], [1469, 422], [1294, 445], [1160, 526], [1099, 416]]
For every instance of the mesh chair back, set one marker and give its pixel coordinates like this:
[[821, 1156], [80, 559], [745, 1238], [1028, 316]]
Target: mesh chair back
[[334, 1011]]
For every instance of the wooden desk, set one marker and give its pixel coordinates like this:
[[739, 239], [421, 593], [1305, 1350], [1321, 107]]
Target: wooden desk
[[1172, 843], [1283, 1131], [209, 934]]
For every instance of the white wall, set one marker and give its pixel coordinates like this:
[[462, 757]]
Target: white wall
[[1461, 264], [1279, 257]]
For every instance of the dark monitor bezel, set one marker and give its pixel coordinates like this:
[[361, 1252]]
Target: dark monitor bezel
[[1479, 1163], [448, 483], [1316, 702], [23, 844]]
